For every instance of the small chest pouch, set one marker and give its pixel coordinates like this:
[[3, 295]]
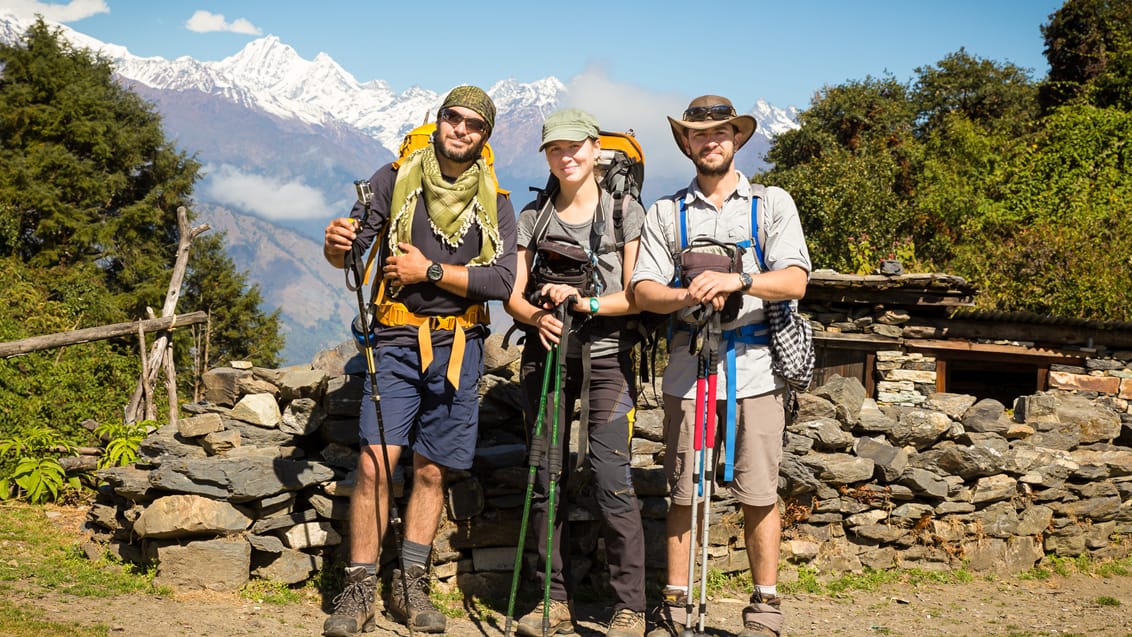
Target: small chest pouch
[[564, 263], [705, 254]]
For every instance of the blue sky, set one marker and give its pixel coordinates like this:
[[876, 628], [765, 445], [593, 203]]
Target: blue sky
[[779, 51]]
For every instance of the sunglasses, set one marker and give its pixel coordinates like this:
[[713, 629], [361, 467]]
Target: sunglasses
[[719, 112], [472, 124]]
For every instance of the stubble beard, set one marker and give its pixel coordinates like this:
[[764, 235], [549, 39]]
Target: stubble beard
[[709, 170], [459, 157]]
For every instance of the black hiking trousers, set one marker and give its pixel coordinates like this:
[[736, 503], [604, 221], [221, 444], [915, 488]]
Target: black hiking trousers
[[612, 402]]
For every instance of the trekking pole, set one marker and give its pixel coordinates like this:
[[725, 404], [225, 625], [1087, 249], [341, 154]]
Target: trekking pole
[[712, 346], [355, 281], [555, 461], [538, 453], [697, 473]]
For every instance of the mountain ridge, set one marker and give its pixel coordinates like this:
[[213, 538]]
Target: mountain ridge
[[281, 140]]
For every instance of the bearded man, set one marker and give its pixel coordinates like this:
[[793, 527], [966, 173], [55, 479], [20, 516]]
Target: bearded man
[[448, 237], [720, 205]]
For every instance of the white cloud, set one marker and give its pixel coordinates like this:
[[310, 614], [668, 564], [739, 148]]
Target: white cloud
[[54, 12], [265, 197], [207, 22], [620, 106]]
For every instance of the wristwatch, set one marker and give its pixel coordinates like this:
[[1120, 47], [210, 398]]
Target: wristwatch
[[435, 272], [745, 280], [594, 305]]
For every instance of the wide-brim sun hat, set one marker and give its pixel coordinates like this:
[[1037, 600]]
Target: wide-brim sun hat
[[709, 111]]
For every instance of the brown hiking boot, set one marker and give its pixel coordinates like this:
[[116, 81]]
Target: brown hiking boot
[[353, 608], [763, 617], [412, 607], [669, 617], [561, 620], [626, 623]]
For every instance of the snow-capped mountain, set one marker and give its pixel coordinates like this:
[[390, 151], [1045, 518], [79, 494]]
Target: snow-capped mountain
[[283, 138], [269, 75]]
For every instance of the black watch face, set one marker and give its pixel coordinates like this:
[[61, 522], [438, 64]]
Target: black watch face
[[435, 271]]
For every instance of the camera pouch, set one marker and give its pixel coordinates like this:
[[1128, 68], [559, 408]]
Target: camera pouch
[[705, 254], [564, 263]]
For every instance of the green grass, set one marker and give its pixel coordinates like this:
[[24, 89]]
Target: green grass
[[35, 549], [275, 593], [869, 580], [1105, 600], [451, 604], [15, 620], [1083, 564]]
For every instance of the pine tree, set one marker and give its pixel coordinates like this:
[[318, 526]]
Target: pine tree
[[89, 189]]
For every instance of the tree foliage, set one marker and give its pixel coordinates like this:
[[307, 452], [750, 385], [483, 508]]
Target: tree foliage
[[851, 166], [963, 163], [1058, 239], [1089, 50], [89, 189], [63, 387], [87, 175]]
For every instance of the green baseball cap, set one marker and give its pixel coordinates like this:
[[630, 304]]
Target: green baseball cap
[[568, 124]]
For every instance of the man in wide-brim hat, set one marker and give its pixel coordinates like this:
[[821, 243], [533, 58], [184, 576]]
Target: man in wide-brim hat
[[709, 111], [720, 203]]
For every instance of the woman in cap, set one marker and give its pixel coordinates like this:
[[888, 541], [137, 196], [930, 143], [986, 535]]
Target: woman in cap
[[575, 213]]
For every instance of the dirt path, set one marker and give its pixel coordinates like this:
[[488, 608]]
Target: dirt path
[[1006, 608], [986, 607]]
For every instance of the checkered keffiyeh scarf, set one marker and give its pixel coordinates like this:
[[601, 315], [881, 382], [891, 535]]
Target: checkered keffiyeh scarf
[[791, 345]]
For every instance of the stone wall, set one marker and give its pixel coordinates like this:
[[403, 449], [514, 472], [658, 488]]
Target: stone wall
[[255, 481]]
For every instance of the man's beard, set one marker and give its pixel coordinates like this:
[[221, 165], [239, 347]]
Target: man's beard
[[459, 157], [708, 170]]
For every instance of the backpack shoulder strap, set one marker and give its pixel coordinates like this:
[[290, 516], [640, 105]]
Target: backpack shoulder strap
[[542, 205], [758, 230], [679, 239], [617, 204], [597, 228]]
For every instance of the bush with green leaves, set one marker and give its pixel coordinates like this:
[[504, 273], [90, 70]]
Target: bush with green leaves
[[31, 467], [122, 441]]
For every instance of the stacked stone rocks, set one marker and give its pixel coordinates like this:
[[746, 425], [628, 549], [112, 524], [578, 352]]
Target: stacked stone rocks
[[255, 480], [905, 378], [955, 481]]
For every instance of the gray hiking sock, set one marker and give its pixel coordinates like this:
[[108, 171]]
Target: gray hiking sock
[[413, 554]]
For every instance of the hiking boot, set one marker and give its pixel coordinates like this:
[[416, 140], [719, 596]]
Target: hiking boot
[[561, 620], [353, 608], [669, 617], [763, 617], [626, 623], [412, 607]]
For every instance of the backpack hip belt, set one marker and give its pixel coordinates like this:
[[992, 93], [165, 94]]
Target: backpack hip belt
[[394, 314]]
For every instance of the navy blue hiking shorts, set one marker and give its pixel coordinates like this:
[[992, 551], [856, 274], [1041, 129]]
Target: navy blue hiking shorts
[[422, 410]]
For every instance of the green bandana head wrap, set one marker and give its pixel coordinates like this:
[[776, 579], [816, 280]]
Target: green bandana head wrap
[[452, 206], [474, 98]]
